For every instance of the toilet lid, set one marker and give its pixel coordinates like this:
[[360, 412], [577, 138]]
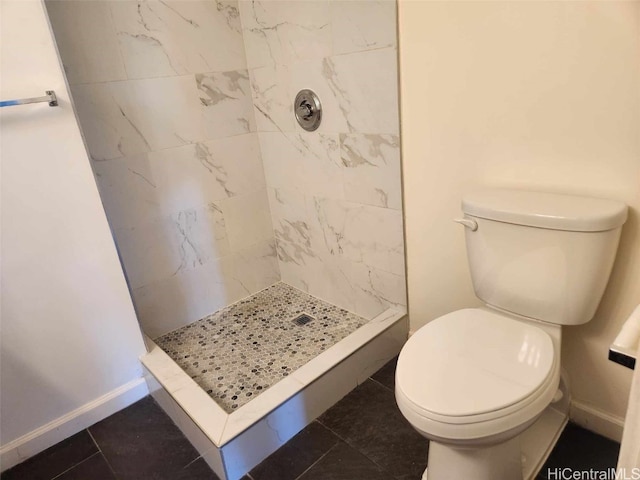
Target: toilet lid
[[473, 361]]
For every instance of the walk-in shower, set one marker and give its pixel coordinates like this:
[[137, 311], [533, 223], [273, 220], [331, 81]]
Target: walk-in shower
[[231, 220]]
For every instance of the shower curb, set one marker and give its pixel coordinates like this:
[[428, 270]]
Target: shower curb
[[232, 444]]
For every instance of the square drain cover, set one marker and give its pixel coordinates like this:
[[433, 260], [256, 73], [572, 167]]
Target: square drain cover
[[302, 319]]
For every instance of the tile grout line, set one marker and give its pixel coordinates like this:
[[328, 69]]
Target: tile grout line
[[354, 447], [74, 466], [99, 452], [393, 392], [381, 384], [111, 469], [94, 440], [321, 457], [193, 461]]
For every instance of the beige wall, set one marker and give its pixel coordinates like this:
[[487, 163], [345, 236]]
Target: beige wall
[[527, 94]]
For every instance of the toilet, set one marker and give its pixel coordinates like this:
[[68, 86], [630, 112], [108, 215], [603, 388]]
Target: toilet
[[475, 380]]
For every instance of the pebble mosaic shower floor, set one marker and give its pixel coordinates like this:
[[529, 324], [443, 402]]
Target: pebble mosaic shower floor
[[240, 351]]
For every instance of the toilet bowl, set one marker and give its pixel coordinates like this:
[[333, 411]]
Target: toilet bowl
[[474, 380], [457, 392], [473, 376]]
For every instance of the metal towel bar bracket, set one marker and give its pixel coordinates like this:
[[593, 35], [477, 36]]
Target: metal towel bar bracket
[[50, 98]]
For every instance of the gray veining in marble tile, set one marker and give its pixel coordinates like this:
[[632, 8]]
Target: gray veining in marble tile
[[372, 169], [358, 26], [226, 101], [365, 88], [168, 37], [285, 31], [272, 105]]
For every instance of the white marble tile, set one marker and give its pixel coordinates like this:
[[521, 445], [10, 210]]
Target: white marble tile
[[190, 295], [256, 267], [333, 283], [247, 450], [280, 32], [206, 414], [189, 175], [128, 190], [226, 103], [357, 25], [259, 407], [372, 169], [165, 110], [272, 100], [166, 372], [203, 234], [107, 130], [364, 86], [188, 396], [167, 38], [375, 291], [327, 248], [207, 171], [288, 206], [87, 41], [362, 233], [323, 276], [151, 251], [292, 226], [240, 159], [165, 246], [353, 286], [295, 273], [308, 162], [247, 219], [123, 118], [300, 244]]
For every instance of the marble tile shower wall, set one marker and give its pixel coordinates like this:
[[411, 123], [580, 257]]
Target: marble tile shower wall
[[335, 194], [163, 95], [186, 106]]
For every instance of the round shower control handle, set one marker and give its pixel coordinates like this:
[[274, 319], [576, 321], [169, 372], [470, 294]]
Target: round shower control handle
[[305, 110], [470, 224]]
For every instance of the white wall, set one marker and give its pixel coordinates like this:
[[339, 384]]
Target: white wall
[[527, 94], [69, 332]]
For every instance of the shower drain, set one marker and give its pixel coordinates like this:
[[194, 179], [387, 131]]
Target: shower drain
[[302, 319]]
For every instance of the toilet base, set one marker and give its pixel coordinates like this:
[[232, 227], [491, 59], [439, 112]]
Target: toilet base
[[534, 446], [495, 462]]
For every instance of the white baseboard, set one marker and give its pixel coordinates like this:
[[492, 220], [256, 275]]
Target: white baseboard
[[73, 422], [597, 421]]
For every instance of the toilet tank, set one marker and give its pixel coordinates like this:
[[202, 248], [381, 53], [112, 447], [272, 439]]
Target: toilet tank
[[542, 255]]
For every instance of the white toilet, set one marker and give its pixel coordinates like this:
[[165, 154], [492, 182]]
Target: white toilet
[[474, 380]]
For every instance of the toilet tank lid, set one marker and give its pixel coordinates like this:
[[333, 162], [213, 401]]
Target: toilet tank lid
[[545, 210]]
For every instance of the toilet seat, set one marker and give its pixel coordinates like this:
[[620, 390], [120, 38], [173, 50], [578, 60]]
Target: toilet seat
[[475, 373]]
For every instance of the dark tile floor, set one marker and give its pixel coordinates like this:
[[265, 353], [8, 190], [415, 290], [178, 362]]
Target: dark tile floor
[[363, 437]]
